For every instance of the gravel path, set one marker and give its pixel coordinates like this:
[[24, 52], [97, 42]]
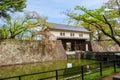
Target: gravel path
[[111, 76]]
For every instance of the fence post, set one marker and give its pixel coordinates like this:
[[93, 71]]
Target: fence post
[[82, 71], [56, 74], [114, 66], [100, 69], [19, 77]]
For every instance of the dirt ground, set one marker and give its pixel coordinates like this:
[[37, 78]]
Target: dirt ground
[[111, 76]]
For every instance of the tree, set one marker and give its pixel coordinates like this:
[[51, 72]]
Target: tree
[[114, 5], [101, 19], [20, 26], [11, 6]]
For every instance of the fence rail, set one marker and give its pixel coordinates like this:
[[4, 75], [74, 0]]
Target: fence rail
[[74, 72]]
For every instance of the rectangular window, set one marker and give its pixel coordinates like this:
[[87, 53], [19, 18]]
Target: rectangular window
[[71, 34], [62, 34], [80, 35]]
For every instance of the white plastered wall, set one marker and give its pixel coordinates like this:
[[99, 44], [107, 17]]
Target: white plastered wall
[[68, 35]]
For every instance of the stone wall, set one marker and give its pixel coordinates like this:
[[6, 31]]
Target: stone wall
[[19, 52], [105, 46]]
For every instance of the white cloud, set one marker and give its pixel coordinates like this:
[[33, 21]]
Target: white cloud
[[53, 8]]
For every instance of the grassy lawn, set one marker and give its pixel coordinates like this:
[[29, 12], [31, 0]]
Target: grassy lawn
[[96, 75]]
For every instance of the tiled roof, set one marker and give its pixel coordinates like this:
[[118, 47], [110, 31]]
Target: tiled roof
[[68, 28]]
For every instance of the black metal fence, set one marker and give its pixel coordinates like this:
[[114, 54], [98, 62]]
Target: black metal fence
[[79, 72]]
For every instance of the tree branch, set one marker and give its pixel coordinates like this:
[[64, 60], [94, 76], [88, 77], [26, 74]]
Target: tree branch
[[110, 26]]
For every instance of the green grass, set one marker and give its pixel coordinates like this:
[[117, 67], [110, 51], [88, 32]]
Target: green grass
[[96, 75]]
